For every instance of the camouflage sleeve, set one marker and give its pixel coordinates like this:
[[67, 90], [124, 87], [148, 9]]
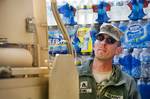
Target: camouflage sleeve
[[134, 92]]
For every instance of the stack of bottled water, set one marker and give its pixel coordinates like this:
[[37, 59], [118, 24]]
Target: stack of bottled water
[[136, 63], [145, 63]]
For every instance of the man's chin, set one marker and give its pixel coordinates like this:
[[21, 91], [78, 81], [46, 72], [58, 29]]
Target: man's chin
[[101, 57]]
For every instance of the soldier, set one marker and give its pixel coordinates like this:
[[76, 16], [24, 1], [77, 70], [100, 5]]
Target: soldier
[[99, 77]]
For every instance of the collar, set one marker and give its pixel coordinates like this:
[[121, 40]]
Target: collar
[[116, 77]]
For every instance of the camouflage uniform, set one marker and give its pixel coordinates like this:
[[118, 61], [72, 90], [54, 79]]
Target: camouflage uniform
[[119, 86]]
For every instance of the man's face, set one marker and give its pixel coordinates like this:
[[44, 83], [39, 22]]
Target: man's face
[[106, 47]]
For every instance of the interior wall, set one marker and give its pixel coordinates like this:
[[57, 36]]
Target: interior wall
[[12, 20], [13, 26]]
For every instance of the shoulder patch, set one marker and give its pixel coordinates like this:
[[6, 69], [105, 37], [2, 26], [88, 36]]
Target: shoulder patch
[[84, 87]]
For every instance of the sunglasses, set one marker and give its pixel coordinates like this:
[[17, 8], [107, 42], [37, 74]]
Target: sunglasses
[[108, 40]]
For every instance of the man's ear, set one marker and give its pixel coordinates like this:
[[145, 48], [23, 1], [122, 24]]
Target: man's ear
[[119, 50]]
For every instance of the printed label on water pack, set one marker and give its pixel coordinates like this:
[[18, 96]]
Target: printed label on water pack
[[135, 34]]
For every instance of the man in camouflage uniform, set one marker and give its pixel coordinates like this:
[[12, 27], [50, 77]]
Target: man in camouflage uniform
[[99, 78]]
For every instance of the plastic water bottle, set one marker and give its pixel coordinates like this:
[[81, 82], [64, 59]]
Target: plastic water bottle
[[145, 63], [63, 47], [148, 89], [93, 33], [127, 37], [85, 13], [125, 60], [141, 86], [123, 27], [116, 59], [136, 63], [87, 43], [147, 34], [141, 33], [144, 88], [115, 23]]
